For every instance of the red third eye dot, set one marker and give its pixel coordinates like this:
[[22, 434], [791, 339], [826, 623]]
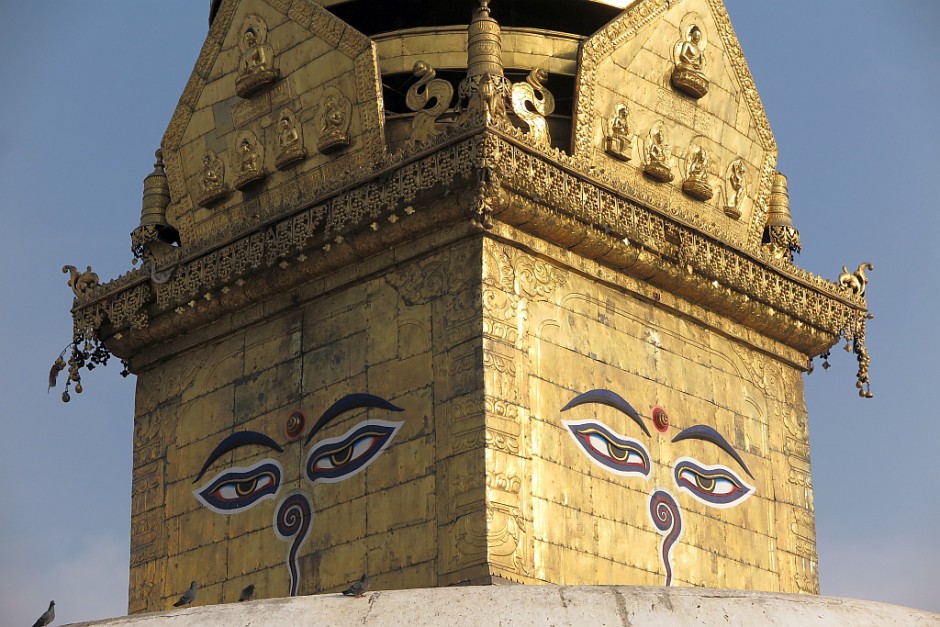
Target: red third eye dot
[[295, 425], [660, 419]]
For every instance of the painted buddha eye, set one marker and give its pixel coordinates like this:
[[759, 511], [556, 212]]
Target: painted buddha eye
[[335, 459], [238, 489], [716, 486], [610, 450]]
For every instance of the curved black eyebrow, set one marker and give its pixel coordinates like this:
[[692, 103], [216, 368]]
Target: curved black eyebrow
[[242, 438], [348, 403], [611, 399], [706, 433]]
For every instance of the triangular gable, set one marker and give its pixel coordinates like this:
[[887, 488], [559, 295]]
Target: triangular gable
[[321, 62], [629, 62]]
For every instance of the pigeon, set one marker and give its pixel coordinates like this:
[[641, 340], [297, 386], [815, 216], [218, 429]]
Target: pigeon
[[47, 617], [189, 596], [358, 588], [247, 593]]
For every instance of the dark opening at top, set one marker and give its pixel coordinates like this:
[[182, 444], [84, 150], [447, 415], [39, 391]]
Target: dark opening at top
[[578, 17]]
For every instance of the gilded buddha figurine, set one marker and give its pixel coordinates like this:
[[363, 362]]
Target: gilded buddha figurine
[[212, 180], [735, 191], [696, 174], [290, 145], [333, 118], [255, 68], [659, 155], [688, 75], [618, 143], [250, 158]]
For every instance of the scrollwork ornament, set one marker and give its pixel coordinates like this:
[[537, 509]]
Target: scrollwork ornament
[[855, 281], [81, 282], [532, 102], [427, 90]]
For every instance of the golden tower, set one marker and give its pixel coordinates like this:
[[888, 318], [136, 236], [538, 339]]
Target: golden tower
[[454, 292]]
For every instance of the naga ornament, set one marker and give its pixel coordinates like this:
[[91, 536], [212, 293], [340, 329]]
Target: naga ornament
[[532, 103], [428, 90]]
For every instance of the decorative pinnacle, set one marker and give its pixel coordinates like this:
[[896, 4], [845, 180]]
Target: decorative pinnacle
[[779, 213], [484, 48], [156, 197]]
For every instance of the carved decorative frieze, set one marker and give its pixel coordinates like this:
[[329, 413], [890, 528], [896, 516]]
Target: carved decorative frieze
[[427, 279], [561, 190], [499, 315]]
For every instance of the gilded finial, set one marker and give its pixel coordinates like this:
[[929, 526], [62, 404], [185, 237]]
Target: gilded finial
[[156, 199], [484, 57], [780, 236]]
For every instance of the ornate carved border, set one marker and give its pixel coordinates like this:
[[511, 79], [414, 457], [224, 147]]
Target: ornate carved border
[[591, 218]]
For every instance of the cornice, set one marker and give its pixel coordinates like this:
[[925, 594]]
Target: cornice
[[478, 174]]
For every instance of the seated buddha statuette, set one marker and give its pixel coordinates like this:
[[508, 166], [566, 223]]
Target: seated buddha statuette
[[255, 69], [658, 155], [696, 174], [688, 75]]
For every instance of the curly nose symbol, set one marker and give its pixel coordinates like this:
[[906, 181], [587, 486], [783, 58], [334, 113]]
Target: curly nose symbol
[[292, 520], [664, 511]]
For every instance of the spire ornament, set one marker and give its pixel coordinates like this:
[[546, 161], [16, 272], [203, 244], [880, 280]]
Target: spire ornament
[[484, 59], [781, 239], [154, 236]]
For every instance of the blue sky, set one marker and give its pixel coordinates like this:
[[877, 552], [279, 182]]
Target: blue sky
[[851, 91]]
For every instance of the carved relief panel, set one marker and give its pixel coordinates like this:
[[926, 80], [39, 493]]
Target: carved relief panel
[[245, 113], [678, 68]]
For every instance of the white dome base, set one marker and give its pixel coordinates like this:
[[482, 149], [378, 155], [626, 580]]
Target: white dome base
[[540, 606]]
